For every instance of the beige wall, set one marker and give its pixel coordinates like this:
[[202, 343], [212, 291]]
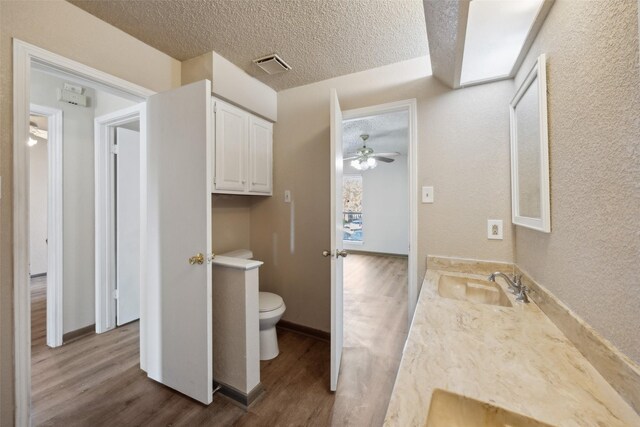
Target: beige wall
[[231, 222], [64, 29], [591, 258], [463, 151]]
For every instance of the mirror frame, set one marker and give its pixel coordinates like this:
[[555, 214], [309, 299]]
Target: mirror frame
[[543, 223]]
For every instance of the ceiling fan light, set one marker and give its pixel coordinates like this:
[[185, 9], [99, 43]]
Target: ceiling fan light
[[371, 162]]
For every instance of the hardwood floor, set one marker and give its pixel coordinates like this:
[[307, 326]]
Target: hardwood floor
[[96, 380], [375, 329]]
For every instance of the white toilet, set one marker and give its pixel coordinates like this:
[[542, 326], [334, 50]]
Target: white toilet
[[271, 310]]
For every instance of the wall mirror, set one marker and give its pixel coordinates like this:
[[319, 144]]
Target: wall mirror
[[530, 201]]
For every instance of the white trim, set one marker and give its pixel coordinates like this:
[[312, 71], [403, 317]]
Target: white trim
[[55, 225], [24, 54], [411, 106], [105, 281], [539, 72], [21, 291]]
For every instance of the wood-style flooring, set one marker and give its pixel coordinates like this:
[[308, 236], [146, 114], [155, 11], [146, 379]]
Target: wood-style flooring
[[96, 380]]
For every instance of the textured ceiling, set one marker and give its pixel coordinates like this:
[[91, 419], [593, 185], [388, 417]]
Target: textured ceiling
[[387, 132], [446, 25], [319, 39]]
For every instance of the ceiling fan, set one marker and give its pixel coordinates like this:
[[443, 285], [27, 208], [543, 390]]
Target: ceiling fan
[[365, 158]]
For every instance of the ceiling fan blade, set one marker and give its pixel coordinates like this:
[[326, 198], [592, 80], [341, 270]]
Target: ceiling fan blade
[[392, 154], [350, 158], [383, 159]]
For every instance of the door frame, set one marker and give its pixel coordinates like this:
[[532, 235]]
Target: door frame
[[55, 226], [24, 56], [105, 211], [411, 106]]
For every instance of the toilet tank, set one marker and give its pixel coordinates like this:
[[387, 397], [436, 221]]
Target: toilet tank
[[239, 253]]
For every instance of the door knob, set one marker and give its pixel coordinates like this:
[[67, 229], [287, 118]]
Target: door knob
[[196, 259], [342, 253], [326, 253]]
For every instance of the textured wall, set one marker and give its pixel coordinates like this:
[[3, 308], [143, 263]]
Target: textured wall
[[230, 222], [463, 139], [446, 37], [65, 29], [591, 258]]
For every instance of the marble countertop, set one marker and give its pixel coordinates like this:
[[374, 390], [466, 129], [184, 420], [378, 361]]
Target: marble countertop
[[511, 357]]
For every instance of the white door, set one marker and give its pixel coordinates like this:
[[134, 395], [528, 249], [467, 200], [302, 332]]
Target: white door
[[260, 155], [337, 252], [127, 225], [179, 313], [231, 146]]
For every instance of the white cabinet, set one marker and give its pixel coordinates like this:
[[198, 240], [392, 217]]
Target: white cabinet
[[231, 132], [260, 155], [243, 158]]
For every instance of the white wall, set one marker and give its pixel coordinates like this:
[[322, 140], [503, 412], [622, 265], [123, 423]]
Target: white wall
[[38, 178], [385, 208], [105, 103], [77, 175], [78, 196]]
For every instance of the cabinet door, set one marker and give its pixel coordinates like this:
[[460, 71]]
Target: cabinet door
[[260, 155], [231, 147]]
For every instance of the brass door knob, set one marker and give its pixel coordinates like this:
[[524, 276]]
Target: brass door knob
[[196, 259], [326, 253], [342, 253]]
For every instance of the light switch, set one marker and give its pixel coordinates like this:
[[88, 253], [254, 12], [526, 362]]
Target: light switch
[[287, 196], [427, 194], [494, 229]]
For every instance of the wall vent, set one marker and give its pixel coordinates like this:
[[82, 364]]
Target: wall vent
[[272, 64]]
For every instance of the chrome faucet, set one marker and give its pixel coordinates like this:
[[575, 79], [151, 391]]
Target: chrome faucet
[[515, 284]]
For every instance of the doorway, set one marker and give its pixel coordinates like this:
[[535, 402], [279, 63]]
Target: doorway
[[396, 214], [45, 220], [376, 237], [28, 61], [395, 122], [119, 186]]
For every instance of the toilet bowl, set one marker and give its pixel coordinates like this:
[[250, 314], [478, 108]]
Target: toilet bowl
[[271, 308]]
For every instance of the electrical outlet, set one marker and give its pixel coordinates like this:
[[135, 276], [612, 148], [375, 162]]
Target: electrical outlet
[[494, 229], [287, 196], [427, 194]]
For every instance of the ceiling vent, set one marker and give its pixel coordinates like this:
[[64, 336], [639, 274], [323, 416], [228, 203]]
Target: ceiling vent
[[272, 64]]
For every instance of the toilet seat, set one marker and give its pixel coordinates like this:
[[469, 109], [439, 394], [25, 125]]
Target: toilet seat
[[268, 301]]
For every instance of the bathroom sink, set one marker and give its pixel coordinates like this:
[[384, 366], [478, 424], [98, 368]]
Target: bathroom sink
[[473, 290], [454, 410]]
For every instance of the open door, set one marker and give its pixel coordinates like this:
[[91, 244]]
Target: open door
[[127, 225], [337, 252], [178, 293]]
